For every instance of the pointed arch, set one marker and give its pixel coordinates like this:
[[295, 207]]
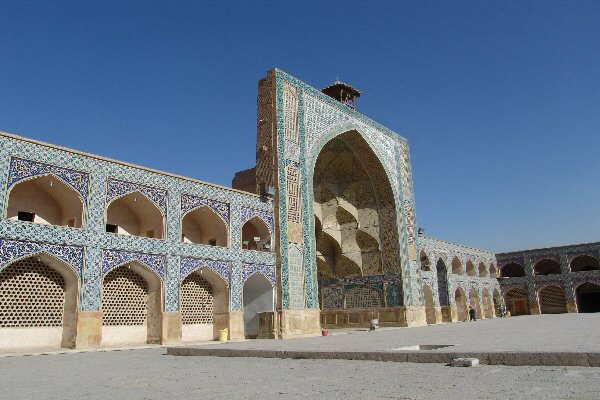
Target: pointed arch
[[258, 296], [256, 235], [429, 304], [471, 268], [46, 199], [460, 299], [552, 299], [587, 296], [584, 262], [202, 225], [517, 301], [457, 268], [475, 302], [482, 270], [135, 214], [425, 264], [546, 266], [512, 270]]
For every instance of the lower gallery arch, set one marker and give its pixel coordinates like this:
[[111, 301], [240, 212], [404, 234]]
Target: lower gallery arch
[[131, 305], [461, 304], [552, 300], [517, 302], [203, 297], [429, 305], [474, 302], [488, 308], [258, 297], [38, 303], [588, 298], [443, 297]]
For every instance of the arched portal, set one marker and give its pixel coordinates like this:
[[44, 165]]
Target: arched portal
[[442, 282], [425, 265], [488, 308], [517, 302], [457, 266], [38, 303], [471, 269], [546, 267], [45, 200], [512, 270], [131, 305], [588, 298], [355, 213], [584, 263], [256, 235], [204, 226], [474, 302], [461, 304], [552, 300], [258, 297], [482, 270], [134, 214], [203, 296], [429, 304]]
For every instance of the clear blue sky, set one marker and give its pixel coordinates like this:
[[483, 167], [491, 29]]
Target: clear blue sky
[[500, 101]]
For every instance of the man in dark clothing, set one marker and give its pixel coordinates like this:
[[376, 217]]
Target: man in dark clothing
[[472, 314]]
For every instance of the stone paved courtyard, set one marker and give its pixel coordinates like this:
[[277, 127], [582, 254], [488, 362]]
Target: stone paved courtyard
[[151, 374]]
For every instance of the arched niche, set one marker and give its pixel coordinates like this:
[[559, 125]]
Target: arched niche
[[552, 300], [442, 281], [474, 302], [256, 235], [512, 270], [38, 303], [587, 296], [204, 226], [429, 305], [258, 297], [460, 300], [355, 204], [457, 268], [132, 305], [204, 299], [546, 267], [584, 263], [517, 302], [45, 200], [136, 215], [425, 265], [488, 308], [471, 268], [482, 270], [493, 271]]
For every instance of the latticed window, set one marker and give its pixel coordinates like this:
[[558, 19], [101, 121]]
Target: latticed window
[[363, 297], [552, 300], [124, 298], [31, 295], [196, 300]]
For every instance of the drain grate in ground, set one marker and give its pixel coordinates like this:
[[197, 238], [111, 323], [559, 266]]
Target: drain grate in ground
[[416, 347]]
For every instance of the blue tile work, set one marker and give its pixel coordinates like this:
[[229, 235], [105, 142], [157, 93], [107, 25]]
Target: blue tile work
[[190, 203], [267, 270], [189, 265], [322, 118], [112, 259], [249, 213], [165, 190], [567, 279], [14, 250], [117, 188]]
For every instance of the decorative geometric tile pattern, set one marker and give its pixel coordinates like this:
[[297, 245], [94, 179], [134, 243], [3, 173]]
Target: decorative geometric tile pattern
[[115, 258], [267, 270], [117, 188], [13, 250], [333, 297], [248, 213], [189, 203], [22, 169], [189, 265]]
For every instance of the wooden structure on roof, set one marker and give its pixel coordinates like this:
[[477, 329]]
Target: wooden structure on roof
[[343, 93]]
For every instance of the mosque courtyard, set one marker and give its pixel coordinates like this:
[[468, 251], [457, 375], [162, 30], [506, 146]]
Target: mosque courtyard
[[149, 373]]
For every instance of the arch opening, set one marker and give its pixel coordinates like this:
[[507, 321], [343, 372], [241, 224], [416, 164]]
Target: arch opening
[[517, 302], [425, 265], [488, 308], [471, 269], [461, 304], [38, 303], [429, 305], [493, 271], [134, 214], [584, 263], [587, 296], [256, 235], [258, 297], [552, 300], [512, 270], [474, 302], [546, 267], [442, 281], [457, 266], [482, 270], [45, 200], [204, 303], [131, 305], [204, 226]]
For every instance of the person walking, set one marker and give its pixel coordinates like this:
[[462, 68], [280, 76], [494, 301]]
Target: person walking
[[472, 314]]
